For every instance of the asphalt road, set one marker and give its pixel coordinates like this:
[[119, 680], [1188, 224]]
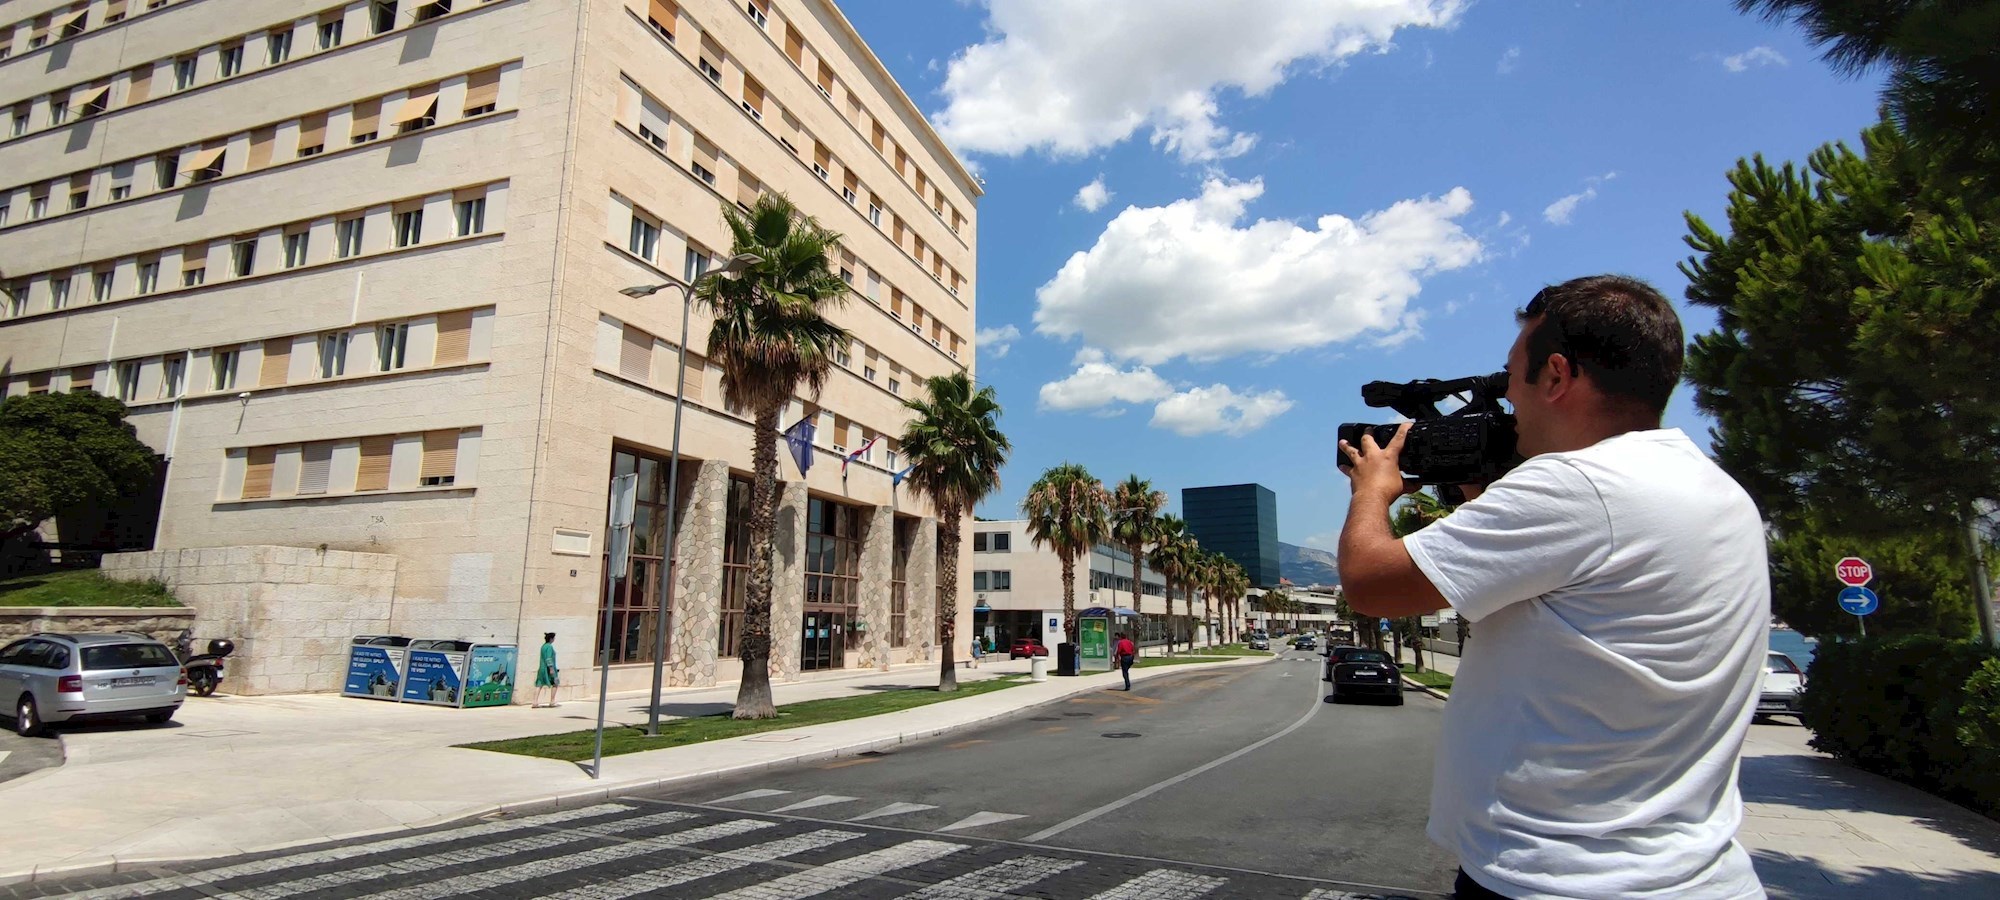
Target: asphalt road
[[20, 756], [1213, 784]]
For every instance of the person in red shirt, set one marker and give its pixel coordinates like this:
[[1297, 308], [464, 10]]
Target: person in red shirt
[[1126, 652]]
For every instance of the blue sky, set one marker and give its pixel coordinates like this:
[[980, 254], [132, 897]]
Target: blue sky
[[1299, 196]]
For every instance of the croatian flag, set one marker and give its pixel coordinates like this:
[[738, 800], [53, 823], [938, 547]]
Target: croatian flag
[[857, 454], [897, 478], [800, 436]]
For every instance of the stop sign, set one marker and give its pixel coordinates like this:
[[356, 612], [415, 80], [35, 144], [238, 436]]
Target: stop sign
[[1854, 571]]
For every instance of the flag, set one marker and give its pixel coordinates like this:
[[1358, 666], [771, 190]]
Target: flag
[[857, 454], [800, 436], [897, 478]]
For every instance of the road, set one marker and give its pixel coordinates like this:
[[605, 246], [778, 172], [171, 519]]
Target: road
[[20, 756], [1215, 784]]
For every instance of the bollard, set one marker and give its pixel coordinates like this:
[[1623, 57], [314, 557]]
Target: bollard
[[1038, 668]]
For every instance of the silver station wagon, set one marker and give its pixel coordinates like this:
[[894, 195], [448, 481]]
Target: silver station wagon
[[49, 678]]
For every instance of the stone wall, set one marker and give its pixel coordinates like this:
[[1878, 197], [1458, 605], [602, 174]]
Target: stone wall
[[163, 624], [290, 610]]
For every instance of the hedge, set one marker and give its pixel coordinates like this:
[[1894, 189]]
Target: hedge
[[1922, 710]]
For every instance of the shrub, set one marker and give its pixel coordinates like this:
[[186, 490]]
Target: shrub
[[1922, 710]]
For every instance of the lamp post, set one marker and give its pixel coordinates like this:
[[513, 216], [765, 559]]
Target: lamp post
[[736, 265]]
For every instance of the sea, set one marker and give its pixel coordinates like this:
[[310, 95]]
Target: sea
[[1795, 645]]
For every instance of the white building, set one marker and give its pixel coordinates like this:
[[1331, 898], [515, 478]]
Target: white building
[[1020, 584]]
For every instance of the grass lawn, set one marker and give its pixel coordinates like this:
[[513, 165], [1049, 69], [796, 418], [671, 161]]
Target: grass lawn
[[1428, 678], [1147, 662], [82, 587], [575, 746], [1225, 650]]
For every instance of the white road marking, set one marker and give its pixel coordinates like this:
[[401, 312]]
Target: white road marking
[[893, 809], [707, 866], [1149, 791], [1164, 884], [480, 853], [4, 754], [821, 800], [1331, 894], [996, 881], [757, 794], [836, 875], [336, 854], [982, 818], [454, 885]]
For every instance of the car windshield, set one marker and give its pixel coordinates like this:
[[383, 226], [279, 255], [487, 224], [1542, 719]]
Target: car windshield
[[127, 656], [1782, 664], [1365, 656]]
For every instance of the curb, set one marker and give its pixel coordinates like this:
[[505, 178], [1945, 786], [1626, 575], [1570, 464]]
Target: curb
[[597, 793], [1425, 688]]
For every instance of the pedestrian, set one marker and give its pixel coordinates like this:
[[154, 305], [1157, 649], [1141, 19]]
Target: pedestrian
[[978, 652], [1619, 581], [1126, 651], [546, 676]]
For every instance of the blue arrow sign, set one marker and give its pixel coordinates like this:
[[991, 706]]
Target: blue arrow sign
[[1385, 626], [1859, 600]]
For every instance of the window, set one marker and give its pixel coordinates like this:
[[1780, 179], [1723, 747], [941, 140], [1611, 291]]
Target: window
[[482, 92], [230, 61], [17, 299], [868, 372], [333, 354], [367, 120], [184, 73], [708, 68], [874, 213], [440, 459], [847, 275], [392, 341], [206, 165], [78, 200], [20, 124], [4, 210], [383, 15], [243, 257], [995, 580], [118, 192], [128, 381], [74, 26], [58, 110], [277, 365], [315, 467], [433, 9], [419, 110], [841, 357], [312, 135], [454, 338], [100, 286], [705, 175], [694, 265], [38, 206], [821, 172], [409, 227], [149, 277], [756, 14], [257, 472], [329, 34], [895, 387], [174, 374], [222, 368], [847, 194], [347, 233], [277, 47], [166, 167], [660, 14], [92, 102], [373, 472], [471, 216], [644, 241], [194, 277], [59, 292], [295, 248]]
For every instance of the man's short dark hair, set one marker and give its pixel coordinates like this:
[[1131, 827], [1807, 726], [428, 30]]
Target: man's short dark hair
[[1618, 329]]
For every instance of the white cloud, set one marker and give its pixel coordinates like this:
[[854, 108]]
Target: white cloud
[[1092, 197], [1216, 408], [1560, 212], [1509, 61], [1191, 279], [1066, 80], [1096, 382], [995, 342], [1755, 56]]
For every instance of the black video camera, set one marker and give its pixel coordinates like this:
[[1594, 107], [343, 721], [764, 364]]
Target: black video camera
[[1472, 445]]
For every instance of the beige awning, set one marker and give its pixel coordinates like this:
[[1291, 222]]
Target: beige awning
[[91, 95], [65, 21], [204, 159], [114, 8], [421, 106]]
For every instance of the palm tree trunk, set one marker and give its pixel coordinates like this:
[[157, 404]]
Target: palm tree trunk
[[947, 598], [1138, 609], [1069, 596], [1188, 602], [753, 692]]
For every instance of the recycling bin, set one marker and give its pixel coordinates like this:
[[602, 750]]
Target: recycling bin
[[375, 666]]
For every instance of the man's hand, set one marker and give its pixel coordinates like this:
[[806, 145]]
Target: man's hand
[[1376, 471]]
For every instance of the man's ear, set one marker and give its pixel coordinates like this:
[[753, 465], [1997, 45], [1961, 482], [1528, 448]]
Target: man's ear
[[1558, 376]]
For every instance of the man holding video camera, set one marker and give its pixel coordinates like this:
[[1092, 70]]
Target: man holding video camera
[[1619, 582]]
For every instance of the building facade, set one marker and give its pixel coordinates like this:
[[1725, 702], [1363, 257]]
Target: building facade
[[1239, 521], [1017, 590], [355, 266]]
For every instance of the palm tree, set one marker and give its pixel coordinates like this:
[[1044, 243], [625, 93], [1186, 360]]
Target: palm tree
[[1066, 512], [955, 450], [1134, 507], [1408, 517], [1165, 559], [1236, 584], [1206, 574], [770, 336]]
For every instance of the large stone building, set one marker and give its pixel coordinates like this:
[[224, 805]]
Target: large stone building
[[355, 266]]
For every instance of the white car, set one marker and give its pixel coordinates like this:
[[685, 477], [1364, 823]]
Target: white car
[[1784, 685]]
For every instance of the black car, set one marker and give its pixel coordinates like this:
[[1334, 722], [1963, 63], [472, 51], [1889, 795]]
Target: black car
[[1364, 673], [1333, 654], [1304, 642]]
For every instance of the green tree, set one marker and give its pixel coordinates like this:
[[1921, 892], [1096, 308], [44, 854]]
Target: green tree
[[1065, 509], [59, 452], [1166, 558], [1851, 374], [1135, 507], [1919, 575], [770, 337], [1411, 515], [955, 450]]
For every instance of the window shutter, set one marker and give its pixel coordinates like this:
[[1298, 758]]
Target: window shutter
[[81, 378], [373, 473], [440, 454], [696, 373], [260, 147], [704, 153], [79, 182], [635, 357], [653, 118], [142, 85], [194, 257], [795, 46], [257, 475], [840, 428], [747, 188], [367, 116], [312, 131], [114, 8], [661, 13], [38, 383], [896, 302], [454, 340], [315, 465], [277, 362], [482, 88]]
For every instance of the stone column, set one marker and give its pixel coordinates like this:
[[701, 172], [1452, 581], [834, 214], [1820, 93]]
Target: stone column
[[697, 609], [878, 545], [788, 581], [923, 587]]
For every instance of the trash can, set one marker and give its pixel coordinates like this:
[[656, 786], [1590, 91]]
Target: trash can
[[1066, 659], [375, 666], [435, 674], [1038, 668], [489, 675]]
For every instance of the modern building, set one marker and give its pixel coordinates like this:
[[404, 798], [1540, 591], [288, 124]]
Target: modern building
[[355, 266], [1239, 521], [1017, 589]]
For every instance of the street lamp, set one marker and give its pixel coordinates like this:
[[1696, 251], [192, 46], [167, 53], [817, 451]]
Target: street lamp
[[735, 266]]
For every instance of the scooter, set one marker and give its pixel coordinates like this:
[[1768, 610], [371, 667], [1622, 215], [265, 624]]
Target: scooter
[[204, 672]]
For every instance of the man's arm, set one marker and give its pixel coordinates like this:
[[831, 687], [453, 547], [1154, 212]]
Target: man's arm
[[1377, 575]]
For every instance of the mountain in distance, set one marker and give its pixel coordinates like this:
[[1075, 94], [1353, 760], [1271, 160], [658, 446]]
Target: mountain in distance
[[1307, 565]]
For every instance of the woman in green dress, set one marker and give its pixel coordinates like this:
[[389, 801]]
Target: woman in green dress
[[546, 677]]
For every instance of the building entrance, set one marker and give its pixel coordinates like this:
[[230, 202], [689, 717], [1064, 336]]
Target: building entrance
[[825, 645]]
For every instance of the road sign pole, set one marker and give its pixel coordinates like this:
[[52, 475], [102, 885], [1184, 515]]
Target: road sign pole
[[624, 498]]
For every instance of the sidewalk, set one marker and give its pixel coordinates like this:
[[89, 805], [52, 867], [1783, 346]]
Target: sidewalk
[[1820, 828], [244, 774]]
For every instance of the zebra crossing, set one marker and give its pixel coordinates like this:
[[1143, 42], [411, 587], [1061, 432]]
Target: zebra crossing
[[631, 848]]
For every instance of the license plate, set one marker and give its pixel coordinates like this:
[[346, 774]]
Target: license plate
[[131, 682], [1364, 674]]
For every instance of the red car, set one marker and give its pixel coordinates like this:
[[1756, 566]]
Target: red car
[[1026, 647]]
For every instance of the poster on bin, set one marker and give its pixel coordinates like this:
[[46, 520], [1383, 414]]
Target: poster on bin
[[489, 676], [374, 672], [433, 678]]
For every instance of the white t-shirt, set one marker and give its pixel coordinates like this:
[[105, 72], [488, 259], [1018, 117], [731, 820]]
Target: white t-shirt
[[1591, 745]]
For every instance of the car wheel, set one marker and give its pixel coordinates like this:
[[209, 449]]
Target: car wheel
[[27, 719], [160, 718]]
